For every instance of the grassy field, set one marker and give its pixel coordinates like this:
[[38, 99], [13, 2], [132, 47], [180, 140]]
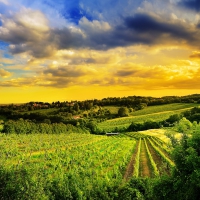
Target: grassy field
[[155, 113]]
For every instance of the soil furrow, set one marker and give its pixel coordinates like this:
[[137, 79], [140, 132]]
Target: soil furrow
[[145, 170], [129, 170]]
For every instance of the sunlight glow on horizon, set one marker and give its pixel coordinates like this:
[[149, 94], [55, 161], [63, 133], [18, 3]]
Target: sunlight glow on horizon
[[63, 51]]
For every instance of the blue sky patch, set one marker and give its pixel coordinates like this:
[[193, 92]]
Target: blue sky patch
[[3, 45]]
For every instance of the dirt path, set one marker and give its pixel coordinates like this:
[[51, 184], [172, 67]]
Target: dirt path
[[129, 170], [145, 170], [157, 159]]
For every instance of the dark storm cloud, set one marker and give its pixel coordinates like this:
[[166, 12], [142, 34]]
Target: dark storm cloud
[[191, 4], [138, 29], [143, 23], [141, 29], [67, 38], [68, 71], [65, 72]]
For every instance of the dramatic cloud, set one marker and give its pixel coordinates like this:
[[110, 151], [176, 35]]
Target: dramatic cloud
[[4, 73], [195, 54], [68, 71], [99, 46], [139, 29], [147, 27], [27, 31], [141, 72], [191, 4]]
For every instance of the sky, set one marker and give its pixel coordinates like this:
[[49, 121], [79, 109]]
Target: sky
[[67, 50]]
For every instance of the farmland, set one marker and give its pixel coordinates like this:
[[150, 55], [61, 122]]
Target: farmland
[[154, 113], [71, 163], [78, 164]]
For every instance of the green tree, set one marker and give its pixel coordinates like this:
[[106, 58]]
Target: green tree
[[93, 127], [184, 182], [76, 107], [47, 121], [123, 112], [174, 118]]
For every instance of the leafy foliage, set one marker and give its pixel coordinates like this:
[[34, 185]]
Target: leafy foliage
[[136, 188], [28, 127], [123, 112], [184, 182]]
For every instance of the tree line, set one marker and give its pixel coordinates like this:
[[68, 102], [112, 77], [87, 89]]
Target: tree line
[[130, 101], [22, 126], [40, 123]]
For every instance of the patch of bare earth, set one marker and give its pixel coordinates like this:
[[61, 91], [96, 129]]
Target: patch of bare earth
[[144, 161], [129, 170]]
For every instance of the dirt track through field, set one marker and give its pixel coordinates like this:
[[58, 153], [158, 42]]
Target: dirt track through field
[[129, 170], [145, 170]]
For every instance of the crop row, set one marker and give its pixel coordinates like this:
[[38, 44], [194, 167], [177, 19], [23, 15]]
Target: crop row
[[154, 164], [161, 145], [13, 145], [96, 162], [137, 160], [162, 154]]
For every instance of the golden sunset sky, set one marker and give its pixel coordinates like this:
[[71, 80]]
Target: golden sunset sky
[[84, 49]]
